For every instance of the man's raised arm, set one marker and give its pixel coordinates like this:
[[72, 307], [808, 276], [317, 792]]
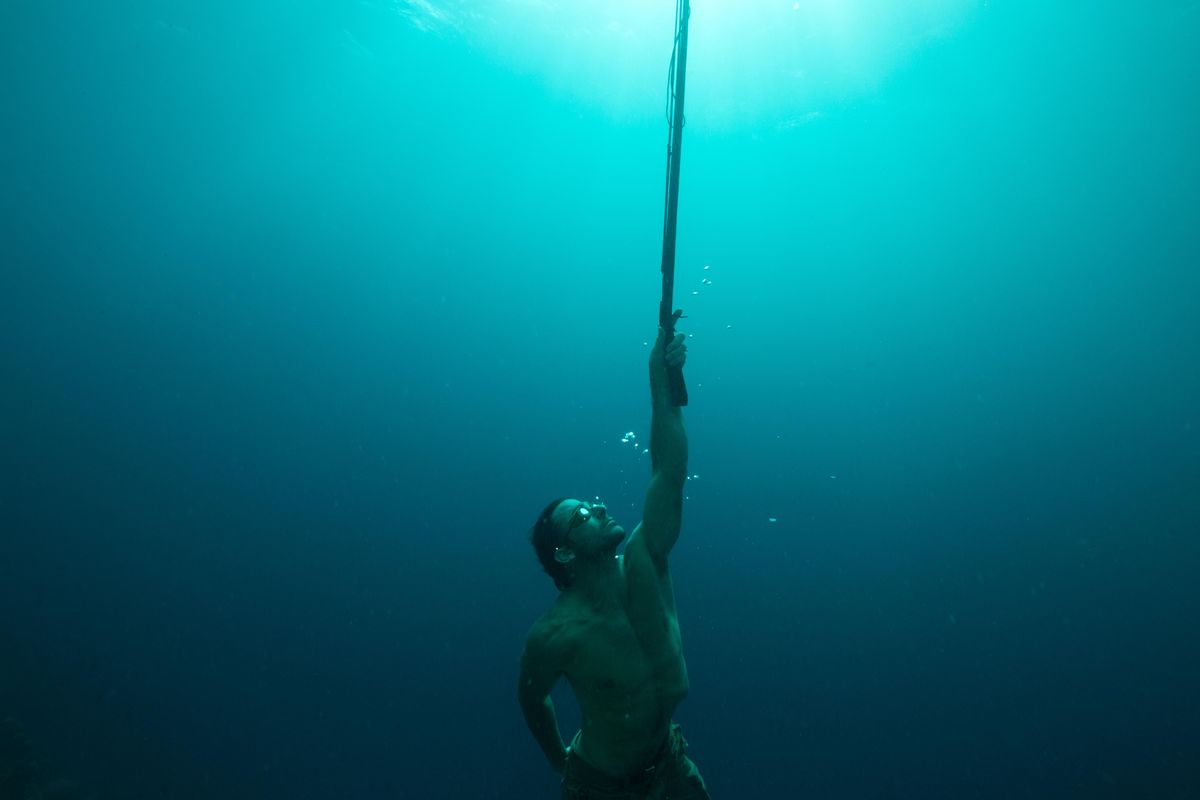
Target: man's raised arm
[[668, 451]]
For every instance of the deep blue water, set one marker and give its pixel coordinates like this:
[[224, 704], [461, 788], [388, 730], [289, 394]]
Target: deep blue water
[[306, 312]]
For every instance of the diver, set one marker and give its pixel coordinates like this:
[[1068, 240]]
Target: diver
[[613, 631]]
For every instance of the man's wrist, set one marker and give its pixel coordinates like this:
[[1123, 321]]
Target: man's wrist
[[561, 765], [660, 381]]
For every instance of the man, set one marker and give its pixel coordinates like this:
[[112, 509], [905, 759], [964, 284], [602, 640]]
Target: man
[[613, 631]]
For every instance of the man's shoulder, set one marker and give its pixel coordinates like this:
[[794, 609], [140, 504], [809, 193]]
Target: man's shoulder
[[638, 555], [553, 634], [560, 620]]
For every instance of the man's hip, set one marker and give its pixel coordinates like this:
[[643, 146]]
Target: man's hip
[[670, 776]]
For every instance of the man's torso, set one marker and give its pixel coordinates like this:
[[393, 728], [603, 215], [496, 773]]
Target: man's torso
[[626, 667]]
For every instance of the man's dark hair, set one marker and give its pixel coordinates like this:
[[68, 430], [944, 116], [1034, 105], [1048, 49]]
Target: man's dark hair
[[545, 537]]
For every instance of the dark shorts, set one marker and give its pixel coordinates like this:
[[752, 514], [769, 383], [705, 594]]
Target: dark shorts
[[672, 776]]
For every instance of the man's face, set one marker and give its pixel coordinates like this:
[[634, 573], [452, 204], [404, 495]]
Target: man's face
[[586, 528]]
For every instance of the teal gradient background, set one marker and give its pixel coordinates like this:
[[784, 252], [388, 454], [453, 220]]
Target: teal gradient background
[[306, 311]]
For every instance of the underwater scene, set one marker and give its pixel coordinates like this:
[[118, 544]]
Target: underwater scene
[[498, 399]]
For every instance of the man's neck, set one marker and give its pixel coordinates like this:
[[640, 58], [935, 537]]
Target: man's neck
[[599, 586]]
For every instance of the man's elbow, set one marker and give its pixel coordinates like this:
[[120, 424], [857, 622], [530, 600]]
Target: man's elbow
[[531, 698], [672, 473], [675, 461]]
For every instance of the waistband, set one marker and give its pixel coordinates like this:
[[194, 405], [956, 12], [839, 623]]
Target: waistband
[[583, 771]]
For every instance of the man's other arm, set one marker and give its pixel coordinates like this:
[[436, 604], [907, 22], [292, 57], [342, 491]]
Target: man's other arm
[[541, 664]]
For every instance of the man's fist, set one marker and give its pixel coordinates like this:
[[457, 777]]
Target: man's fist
[[672, 353]]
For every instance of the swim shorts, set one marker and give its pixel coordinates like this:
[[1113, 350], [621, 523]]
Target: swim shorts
[[670, 776]]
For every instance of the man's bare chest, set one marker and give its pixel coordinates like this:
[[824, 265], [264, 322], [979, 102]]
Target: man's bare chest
[[613, 661], [609, 660]]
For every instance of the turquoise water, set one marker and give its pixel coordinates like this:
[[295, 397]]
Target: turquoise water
[[308, 310]]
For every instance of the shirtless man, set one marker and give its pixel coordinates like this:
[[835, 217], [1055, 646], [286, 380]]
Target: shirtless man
[[613, 631]]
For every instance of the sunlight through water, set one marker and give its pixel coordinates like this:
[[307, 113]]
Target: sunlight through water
[[751, 61]]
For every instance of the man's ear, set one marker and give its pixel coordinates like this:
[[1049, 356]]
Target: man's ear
[[564, 556]]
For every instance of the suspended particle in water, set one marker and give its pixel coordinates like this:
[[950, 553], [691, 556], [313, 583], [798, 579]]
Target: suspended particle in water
[[695, 292], [706, 266], [772, 519], [706, 282]]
